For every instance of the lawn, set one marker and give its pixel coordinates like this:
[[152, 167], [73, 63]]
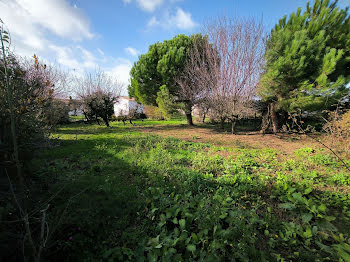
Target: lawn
[[145, 192]]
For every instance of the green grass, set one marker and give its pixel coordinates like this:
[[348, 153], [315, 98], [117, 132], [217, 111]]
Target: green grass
[[75, 118], [124, 195]]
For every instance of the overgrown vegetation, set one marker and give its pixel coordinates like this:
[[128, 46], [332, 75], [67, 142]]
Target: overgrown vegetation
[[119, 193], [166, 199]]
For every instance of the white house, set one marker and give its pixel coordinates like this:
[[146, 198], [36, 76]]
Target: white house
[[125, 105]]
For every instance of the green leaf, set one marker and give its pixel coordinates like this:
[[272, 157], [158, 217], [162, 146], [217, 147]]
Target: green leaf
[[229, 199], [306, 217], [175, 221], [322, 208], [343, 251], [287, 206], [329, 218], [194, 237], [308, 233], [223, 215], [182, 223], [172, 250], [158, 246], [308, 190], [191, 248], [215, 228], [297, 196]]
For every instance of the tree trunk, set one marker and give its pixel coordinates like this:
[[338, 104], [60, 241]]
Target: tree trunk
[[265, 122], [86, 117], [188, 112], [189, 119], [233, 125], [106, 122], [98, 121], [273, 118], [204, 115]]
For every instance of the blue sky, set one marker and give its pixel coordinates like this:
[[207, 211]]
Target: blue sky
[[81, 35]]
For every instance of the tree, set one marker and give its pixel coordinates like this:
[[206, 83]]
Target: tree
[[58, 113], [33, 92], [307, 60], [193, 81], [74, 105], [160, 66], [27, 90], [100, 104], [224, 71], [166, 103], [98, 91]]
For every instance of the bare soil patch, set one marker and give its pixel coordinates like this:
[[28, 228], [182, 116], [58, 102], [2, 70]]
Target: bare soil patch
[[286, 143]]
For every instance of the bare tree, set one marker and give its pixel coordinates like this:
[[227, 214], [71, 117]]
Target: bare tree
[[225, 70], [98, 91], [193, 82], [97, 80]]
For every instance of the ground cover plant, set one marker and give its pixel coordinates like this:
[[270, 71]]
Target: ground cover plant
[[264, 176], [134, 196]]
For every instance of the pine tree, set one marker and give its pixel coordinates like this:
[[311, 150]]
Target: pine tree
[[307, 60], [160, 66]]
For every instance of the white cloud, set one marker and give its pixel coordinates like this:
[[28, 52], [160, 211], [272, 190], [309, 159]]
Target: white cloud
[[183, 20], [180, 20], [55, 16], [34, 23], [153, 22], [89, 60], [147, 5], [132, 51], [41, 26], [65, 57], [121, 71]]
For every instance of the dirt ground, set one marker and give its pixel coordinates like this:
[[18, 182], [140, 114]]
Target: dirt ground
[[286, 143]]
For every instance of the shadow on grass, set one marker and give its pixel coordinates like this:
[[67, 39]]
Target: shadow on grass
[[90, 129], [96, 199]]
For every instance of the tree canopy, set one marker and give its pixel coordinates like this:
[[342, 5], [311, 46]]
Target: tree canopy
[[308, 58], [161, 65]]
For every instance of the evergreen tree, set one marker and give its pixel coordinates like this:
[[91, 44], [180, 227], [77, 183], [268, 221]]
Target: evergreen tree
[[160, 66], [166, 103], [307, 60]]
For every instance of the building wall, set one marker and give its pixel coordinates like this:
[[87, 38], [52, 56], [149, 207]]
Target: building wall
[[121, 107], [134, 105], [78, 112]]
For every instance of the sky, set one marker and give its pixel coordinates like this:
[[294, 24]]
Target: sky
[[82, 35]]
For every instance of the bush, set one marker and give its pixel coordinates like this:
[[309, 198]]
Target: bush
[[32, 87], [153, 112], [59, 113], [338, 129], [99, 104]]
